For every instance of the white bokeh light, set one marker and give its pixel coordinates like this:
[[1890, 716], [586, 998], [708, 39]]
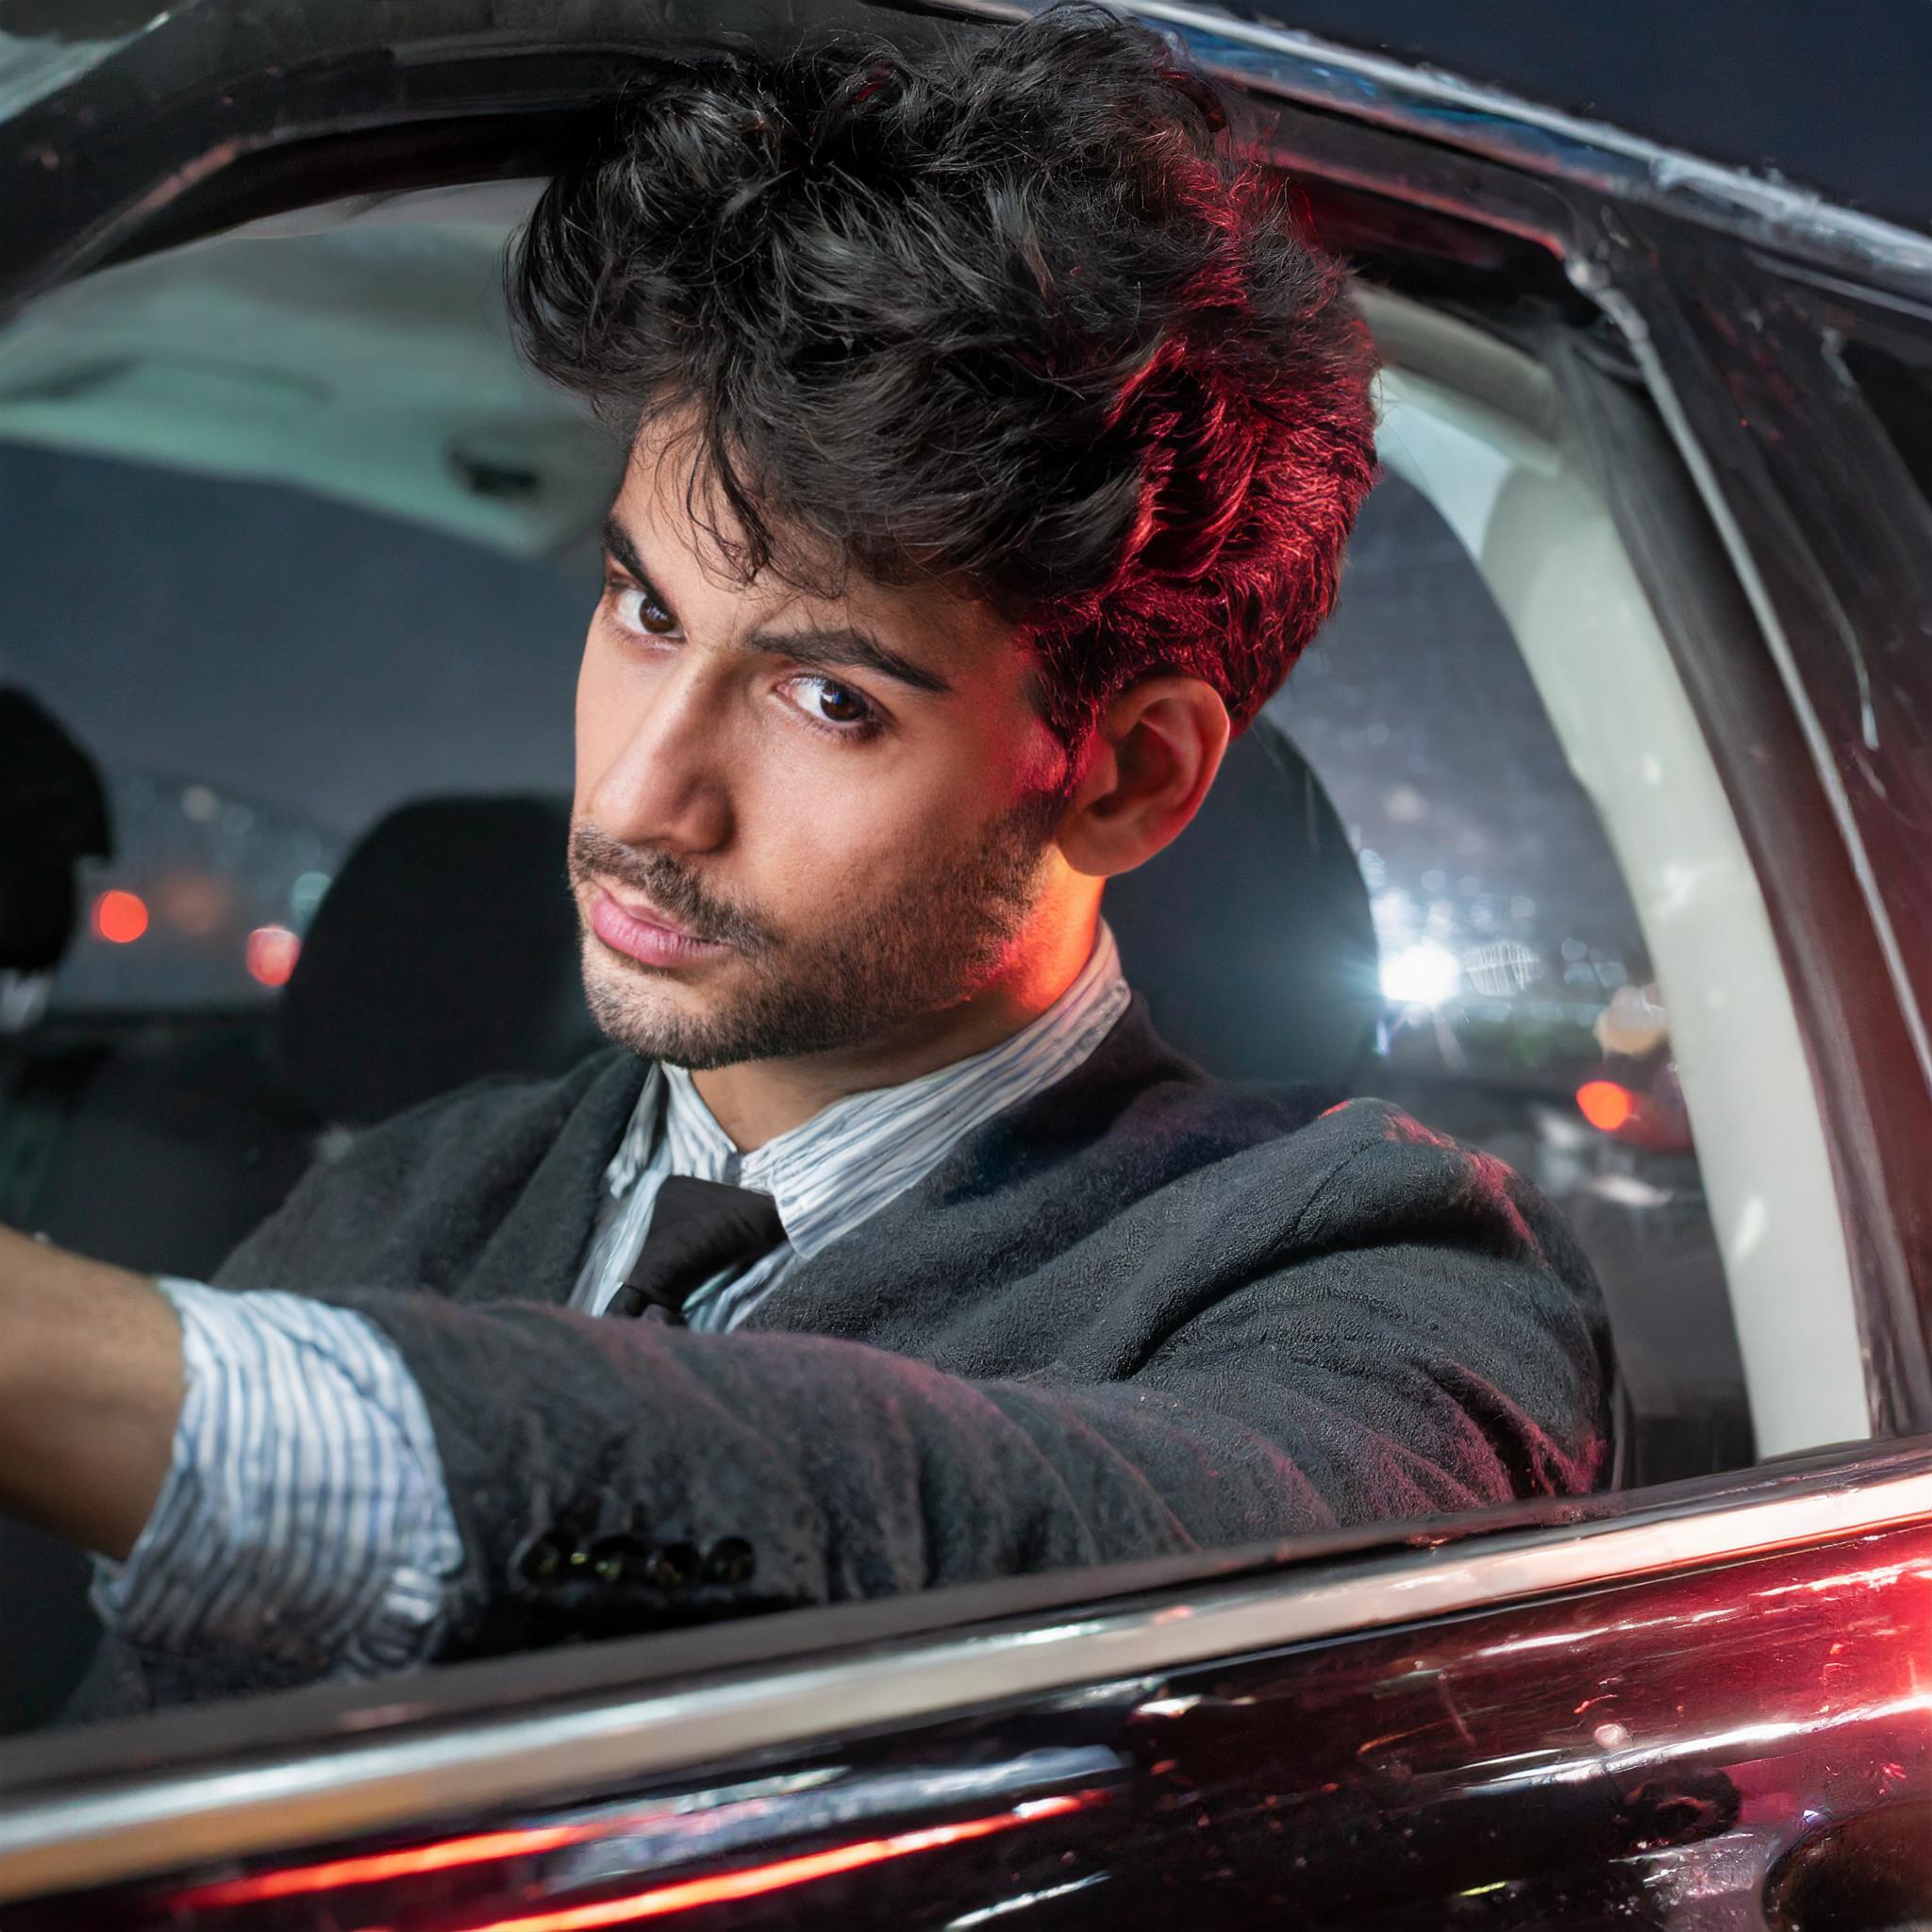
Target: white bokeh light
[[1424, 974]]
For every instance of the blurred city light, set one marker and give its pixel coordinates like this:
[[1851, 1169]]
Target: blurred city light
[[1424, 974], [1605, 1104], [194, 902], [1634, 1022], [307, 894], [1504, 968], [271, 953], [120, 917]]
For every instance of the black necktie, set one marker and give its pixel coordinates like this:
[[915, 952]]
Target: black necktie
[[698, 1229]]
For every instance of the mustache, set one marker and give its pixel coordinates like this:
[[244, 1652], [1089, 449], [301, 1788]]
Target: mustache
[[669, 883]]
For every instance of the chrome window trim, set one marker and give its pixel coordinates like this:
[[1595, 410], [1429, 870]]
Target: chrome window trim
[[179, 1818]]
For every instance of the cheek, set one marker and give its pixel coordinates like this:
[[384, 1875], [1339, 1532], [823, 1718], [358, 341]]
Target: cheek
[[822, 836]]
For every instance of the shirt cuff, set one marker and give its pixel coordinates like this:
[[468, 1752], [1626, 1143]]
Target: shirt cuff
[[304, 1517]]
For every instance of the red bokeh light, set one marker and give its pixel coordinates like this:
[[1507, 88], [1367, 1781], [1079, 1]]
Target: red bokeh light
[[1605, 1104], [271, 953], [120, 917]]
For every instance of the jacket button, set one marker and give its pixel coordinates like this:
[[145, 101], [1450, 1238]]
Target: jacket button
[[619, 1559], [543, 1558], [729, 1561], [673, 1567]]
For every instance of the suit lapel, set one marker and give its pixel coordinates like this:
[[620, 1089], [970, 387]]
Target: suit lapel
[[1012, 1192], [537, 1248]]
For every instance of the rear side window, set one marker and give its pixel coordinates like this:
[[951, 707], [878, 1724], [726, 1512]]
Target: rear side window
[[1521, 1004]]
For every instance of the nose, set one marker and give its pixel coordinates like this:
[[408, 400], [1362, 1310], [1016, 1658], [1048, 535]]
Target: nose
[[662, 778]]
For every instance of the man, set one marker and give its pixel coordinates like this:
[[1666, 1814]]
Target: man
[[995, 435]]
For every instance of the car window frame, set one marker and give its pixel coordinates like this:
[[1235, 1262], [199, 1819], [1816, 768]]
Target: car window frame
[[334, 1763], [1760, 1130]]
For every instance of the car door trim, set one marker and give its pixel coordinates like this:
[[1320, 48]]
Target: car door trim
[[276, 1800]]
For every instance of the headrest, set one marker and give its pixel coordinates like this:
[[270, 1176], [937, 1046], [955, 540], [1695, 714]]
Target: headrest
[[1250, 935], [53, 813], [446, 950]]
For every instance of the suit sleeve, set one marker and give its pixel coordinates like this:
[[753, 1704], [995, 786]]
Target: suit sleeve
[[1428, 1343]]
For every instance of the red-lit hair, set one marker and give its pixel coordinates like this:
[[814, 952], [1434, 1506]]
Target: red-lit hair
[[1019, 315]]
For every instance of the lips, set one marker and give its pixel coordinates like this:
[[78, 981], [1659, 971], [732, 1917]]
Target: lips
[[643, 939]]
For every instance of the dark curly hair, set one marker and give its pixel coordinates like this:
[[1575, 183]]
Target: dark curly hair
[[1021, 317]]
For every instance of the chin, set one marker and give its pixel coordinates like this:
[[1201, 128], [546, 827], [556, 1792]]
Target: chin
[[634, 1006], [643, 1010]]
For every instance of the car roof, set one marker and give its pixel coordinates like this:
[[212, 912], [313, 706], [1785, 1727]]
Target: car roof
[[161, 80]]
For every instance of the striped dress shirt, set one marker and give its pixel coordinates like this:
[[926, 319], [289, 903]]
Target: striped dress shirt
[[304, 1516]]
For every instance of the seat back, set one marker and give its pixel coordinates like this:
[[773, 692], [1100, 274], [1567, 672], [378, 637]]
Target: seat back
[[1250, 935], [446, 950]]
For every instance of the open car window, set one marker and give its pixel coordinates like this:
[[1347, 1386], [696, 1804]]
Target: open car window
[[366, 586], [1572, 937], [341, 596]]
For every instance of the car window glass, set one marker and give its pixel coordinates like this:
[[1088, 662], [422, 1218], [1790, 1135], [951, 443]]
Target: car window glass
[[1899, 395], [1521, 1009]]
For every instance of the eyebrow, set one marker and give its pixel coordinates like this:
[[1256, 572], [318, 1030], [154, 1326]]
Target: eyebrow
[[837, 648]]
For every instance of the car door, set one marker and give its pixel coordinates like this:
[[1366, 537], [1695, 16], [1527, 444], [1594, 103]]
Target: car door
[[1701, 1709], [1681, 1705]]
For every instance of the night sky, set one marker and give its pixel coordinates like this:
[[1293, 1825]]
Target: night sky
[[1832, 93]]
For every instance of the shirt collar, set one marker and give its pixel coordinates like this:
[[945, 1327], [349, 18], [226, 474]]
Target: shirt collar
[[853, 1157]]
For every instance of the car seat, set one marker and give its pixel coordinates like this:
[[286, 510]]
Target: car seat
[[447, 950], [1250, 937]]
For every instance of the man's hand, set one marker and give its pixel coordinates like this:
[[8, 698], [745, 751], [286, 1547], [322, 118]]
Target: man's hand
[[91, 1388]]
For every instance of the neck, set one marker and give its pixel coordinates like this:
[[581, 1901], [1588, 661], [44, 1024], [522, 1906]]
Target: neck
[[758, 1100]]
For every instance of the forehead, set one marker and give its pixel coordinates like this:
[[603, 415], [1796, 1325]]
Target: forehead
[[683, 532]]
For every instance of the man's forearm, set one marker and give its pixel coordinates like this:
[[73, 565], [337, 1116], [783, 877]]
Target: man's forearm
[[90, 1386]]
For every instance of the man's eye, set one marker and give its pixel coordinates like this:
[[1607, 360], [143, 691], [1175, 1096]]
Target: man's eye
[[827, 701], [638, 610]]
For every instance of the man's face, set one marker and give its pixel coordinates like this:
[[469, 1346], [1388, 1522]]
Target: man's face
[[801, 826]]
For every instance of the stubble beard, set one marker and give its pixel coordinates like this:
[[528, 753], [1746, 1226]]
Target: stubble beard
[[932, 945]]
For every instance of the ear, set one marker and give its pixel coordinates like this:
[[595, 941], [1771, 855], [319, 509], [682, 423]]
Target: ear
[[1154, 753]]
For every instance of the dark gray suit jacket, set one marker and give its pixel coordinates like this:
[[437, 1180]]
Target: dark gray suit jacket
[[1143, 1312]]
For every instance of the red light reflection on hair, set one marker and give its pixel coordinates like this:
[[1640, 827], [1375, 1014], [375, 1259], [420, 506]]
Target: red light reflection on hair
[[757, 1879], [1605, 1104], [271, 953], [120, 917]]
